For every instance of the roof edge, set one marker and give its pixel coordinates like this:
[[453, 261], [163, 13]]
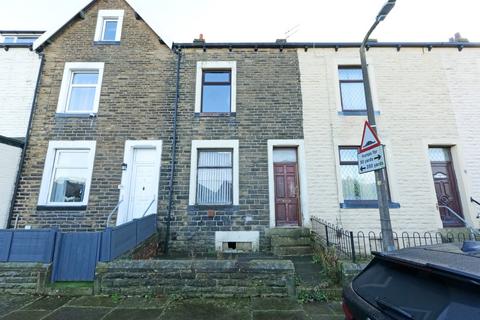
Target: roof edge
[[22, 31], [16, 45], [334, 45]]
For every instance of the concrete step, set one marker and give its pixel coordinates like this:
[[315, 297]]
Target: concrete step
[[294, 232], [280, 241], [292, 251]]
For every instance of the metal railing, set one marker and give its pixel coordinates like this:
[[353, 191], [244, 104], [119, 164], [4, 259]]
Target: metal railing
[[359, 245], [148, 208], [112, 212]]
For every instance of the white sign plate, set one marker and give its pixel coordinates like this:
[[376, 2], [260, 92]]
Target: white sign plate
[[371, 160]]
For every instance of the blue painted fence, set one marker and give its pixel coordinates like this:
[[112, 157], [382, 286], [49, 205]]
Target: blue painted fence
[[27, 245], [74, 255]]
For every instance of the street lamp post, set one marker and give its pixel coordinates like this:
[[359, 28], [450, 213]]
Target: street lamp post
[[380, 178]]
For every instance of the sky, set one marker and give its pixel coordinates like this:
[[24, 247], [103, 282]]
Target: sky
[[268, 20]]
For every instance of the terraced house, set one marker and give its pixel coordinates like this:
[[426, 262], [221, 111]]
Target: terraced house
[[116, 107], [228, 143], [422, 95]]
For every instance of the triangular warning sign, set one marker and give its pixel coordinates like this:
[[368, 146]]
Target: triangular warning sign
[[370, 139]]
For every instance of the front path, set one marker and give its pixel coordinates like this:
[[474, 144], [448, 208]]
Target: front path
[[116, 308]]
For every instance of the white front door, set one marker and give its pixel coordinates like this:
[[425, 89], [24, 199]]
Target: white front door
[[142, 183], [140, 180]]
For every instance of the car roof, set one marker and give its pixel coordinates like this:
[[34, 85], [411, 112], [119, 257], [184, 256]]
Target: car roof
[[443, 257]]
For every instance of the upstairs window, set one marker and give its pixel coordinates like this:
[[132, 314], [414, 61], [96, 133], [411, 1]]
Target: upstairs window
[[80, 90], [352, 92], [19, 39], [109, 32], [216, 87], [216, 91], [109, 26]]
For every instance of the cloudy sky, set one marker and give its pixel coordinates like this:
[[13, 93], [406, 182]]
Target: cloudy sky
[[267, 20]]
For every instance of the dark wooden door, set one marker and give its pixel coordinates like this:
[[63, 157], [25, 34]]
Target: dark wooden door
[[447, 193], [286, 194]]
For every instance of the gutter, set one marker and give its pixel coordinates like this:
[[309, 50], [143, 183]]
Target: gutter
[[178, 52], [27, 138], [7, 46], [333, 45]]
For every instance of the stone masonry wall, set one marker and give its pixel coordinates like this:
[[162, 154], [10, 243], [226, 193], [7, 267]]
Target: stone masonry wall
[[196, 278], [135, 104], [24, 278], [268, 107]]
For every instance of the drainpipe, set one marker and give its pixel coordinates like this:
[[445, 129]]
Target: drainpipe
[[27, 138], [178, 52]]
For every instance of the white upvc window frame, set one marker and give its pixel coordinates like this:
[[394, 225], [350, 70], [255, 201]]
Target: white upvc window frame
[[106, 15], [70, 69], [216, 65], [212, 145], [47, 177]]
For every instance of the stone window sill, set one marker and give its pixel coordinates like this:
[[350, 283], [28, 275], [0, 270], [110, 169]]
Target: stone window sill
[[61, 208], [75, 115], [214, 114], [355, 113], [367, 204], [106, 43], [213, 207]]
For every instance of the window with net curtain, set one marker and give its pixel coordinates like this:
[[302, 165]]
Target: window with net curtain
[[215, 177], [69, 176], [83, 87], [352, 92], [355, 186]]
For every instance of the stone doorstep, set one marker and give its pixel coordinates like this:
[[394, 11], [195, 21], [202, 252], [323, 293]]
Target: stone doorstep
[[292, 251], [296, 232], [280, 241]]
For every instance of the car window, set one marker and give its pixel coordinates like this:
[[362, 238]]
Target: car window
[[397, 289]]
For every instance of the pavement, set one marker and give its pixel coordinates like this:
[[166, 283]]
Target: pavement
[[150, 308]]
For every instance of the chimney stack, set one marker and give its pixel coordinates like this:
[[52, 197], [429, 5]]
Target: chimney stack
[[458, 38], [200, 39]]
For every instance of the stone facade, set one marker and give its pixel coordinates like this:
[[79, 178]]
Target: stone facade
[[136, 100], [197, 278], [137, 103], [423, 98], [268, 106]]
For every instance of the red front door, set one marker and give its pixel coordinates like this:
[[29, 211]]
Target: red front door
[[286, 194]]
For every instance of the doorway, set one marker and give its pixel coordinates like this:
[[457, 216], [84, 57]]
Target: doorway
[[446, 187], [140, 180], [286, 184]]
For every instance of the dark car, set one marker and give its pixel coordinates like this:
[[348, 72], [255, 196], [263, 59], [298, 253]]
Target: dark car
[[423, 283]]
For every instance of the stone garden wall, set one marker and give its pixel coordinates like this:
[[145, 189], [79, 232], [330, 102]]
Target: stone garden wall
[[24, 277], [197, 278]]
